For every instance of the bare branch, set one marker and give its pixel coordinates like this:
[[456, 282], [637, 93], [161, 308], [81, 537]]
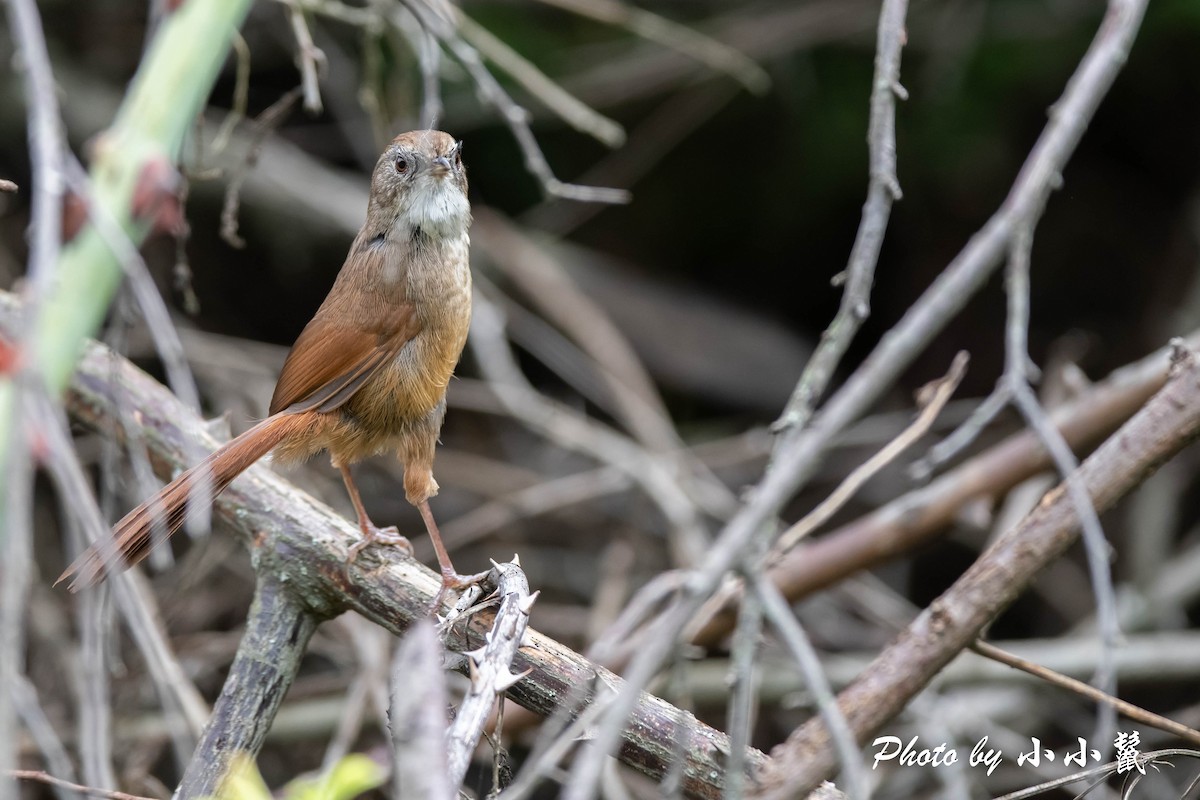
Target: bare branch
[[277, 632], [42, 777], [417, 717], [300, 542], [1136, 713], [796, 462], [882, 191], [310, 59], [490, 667], [1170, 421]]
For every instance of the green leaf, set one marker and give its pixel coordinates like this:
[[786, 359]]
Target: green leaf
[[348, 778]]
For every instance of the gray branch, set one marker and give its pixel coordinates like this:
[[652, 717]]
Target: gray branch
[[267, 660], [303, 545], [490, 666]]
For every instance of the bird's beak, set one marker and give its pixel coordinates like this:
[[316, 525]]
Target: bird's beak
[[441, 165]]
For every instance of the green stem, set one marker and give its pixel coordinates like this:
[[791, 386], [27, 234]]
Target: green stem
[[169, 90]]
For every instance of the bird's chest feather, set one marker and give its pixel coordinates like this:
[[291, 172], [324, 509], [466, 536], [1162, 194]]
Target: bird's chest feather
[[438, 282]]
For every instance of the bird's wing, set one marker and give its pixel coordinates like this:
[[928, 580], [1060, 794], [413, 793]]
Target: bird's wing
[[342, 347]]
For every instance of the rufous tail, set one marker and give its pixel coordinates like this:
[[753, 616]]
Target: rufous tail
[[165, 513]]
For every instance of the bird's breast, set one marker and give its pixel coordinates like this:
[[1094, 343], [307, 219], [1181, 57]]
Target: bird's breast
[[414, 385]]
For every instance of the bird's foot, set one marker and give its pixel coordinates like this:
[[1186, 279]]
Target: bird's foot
[[372, 535], [452, 580]]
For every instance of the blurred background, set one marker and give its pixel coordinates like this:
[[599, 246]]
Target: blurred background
[[747, 180]]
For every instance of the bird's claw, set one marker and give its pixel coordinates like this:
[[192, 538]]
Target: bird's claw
[[389, 536], [452, 580]]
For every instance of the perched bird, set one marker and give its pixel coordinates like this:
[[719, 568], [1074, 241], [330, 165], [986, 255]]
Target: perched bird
[[369, 373]]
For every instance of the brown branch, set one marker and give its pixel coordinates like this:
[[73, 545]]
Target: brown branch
[[798, 457], [1169, 422], [924, 513], [1136, 713], [42, 777], [303, 544]]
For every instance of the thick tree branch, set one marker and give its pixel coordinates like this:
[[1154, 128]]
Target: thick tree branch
[[267, 660], [302, 544]]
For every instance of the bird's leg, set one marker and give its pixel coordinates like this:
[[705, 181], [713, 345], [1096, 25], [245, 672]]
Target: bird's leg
[[371, 534], [450, 578]]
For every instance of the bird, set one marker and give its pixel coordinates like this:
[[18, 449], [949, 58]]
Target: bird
[[369, 372]]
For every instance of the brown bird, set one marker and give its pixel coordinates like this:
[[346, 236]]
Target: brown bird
[[369, 372]]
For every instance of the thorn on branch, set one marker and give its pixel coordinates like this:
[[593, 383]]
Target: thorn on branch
[[74, 215], [156, 196]]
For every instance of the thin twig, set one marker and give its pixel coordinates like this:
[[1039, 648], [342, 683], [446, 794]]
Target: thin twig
[[310, 60], [743, 681], [573, 111], [41, 730], [1016, 361], [42, 777], [882, 191], [264, 125], [47, 142], [85, 525], [371, 650], [796, 463], [46, 147], [713, 53], [802, 652], [938, 394], [965, 434], [429, 60], [241, 94], [1101, 773], [1136, 713]]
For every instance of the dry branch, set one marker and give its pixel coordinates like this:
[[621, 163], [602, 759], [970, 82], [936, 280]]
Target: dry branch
[[268, 658], [1169, 422], [302, 544], [919, 515], [800, 453], [417, 717], [490, 666]]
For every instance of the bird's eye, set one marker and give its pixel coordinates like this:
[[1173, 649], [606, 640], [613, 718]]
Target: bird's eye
[[458, 148], [401, 164]]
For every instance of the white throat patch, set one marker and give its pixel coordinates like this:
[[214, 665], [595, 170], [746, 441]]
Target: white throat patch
[[438, 208]]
